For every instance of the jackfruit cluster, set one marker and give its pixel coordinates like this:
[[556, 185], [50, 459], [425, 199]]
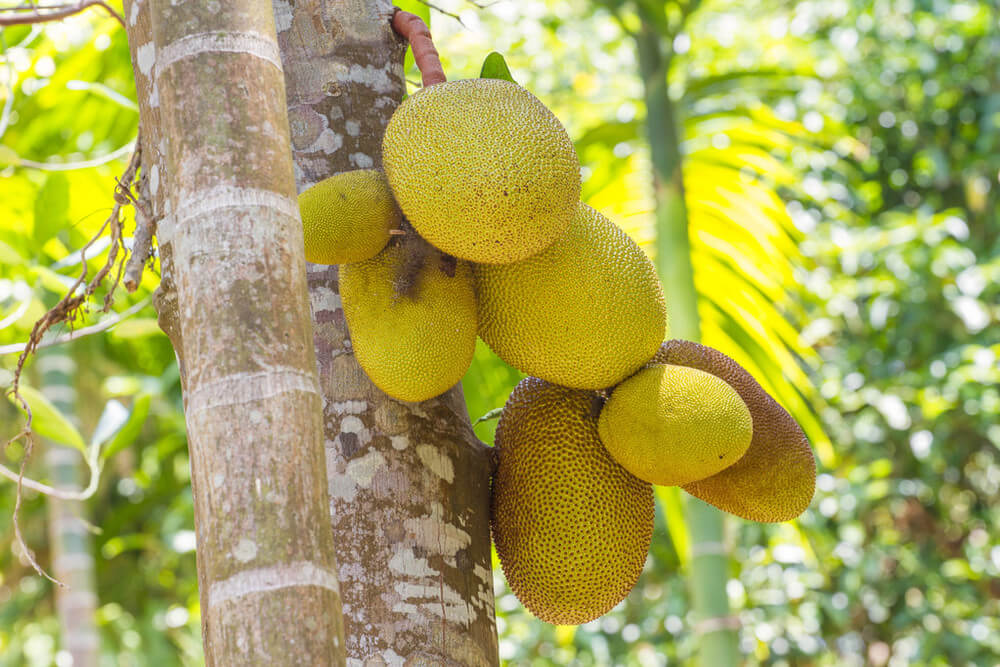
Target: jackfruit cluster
[[476, 228], [480, 173], [565, 508]]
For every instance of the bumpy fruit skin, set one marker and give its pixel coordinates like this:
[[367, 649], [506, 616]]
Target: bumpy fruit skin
[[412, 347], [347, 217], [571, 526], [776, 478], [585, 313], [672, 425], [482, 169]]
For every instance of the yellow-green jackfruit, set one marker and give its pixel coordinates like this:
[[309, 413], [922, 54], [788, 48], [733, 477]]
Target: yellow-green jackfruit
[[585, 313], [414, 342], [571, 526], [776, 478], [347, 217], [672, 425], [482, 169]]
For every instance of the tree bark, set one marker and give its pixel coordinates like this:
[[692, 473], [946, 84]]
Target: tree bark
[[409, 483], [234, 305], [708, 558], [72, 550]]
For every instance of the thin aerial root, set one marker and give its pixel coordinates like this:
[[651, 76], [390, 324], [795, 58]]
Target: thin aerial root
[[66, 310]]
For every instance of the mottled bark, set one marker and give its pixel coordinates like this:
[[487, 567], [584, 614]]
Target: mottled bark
[[72, 550], [409, 483], [233, 301]]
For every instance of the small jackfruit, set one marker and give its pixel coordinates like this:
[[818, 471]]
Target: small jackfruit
[[347, 217], [571, 526], [482, 169], [413, 343], [775, 479], [586, 312], [672, 425]]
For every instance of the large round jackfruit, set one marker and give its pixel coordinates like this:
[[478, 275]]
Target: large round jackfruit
[[585, 313], [347, 217], [776, 478], [672, 425], [482, 169], [415, 345], [571, 526]]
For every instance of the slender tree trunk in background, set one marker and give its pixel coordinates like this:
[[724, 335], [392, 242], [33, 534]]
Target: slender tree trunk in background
[[708, 558], [409, 483], [241, 328], [72, 551]]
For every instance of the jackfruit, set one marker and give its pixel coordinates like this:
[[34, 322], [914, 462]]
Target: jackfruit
[[672, 425], [571, 526], [482, 169], [347, 217], [414, 343], [775, 479], [585, 313]]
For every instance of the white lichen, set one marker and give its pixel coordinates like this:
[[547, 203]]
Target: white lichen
[[436, 462], [245, 551], [362, 470]]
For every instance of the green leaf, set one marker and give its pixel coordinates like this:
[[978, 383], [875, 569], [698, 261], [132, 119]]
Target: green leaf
[[609, 134], [495, 67], [128, 433], [51, 207], [492, 414], [10, 256], [47, 421], [136, 327]]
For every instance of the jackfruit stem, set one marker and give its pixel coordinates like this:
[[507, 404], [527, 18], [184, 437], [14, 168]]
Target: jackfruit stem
[[412, 28]]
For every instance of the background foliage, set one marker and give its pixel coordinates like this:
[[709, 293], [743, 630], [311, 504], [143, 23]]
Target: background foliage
[[842, 181]]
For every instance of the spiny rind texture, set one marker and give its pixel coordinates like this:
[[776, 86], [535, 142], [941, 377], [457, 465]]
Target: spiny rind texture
[[571, 526], [585, 313], [347, 217], [482, 169], [417, 346], [776, 478], [672, 425]]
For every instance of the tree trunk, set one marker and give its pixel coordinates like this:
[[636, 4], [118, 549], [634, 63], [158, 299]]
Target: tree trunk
[[234, 304], [72, 551], [409, 483], [708, 557]]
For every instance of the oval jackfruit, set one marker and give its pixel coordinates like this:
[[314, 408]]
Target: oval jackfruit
[[571, 526], [416, 345], [585, 313], [482, 169], [776, 478], [347, 217], [672, 425]]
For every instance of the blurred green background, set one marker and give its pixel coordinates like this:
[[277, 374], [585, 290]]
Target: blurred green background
[[841, 163]]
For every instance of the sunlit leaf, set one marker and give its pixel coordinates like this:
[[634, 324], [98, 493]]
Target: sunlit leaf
[[48, 421], [136, 327], [50, 207]]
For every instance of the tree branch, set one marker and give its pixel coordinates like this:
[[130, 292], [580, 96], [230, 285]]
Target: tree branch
[[415, 31], [43, 14], [103, 325]]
